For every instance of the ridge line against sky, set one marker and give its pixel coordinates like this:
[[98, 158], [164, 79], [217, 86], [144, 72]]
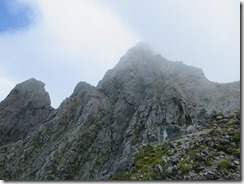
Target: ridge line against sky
[[62, 42]]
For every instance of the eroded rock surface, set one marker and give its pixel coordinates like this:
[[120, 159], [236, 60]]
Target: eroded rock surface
[[27, 106], [97, 132]]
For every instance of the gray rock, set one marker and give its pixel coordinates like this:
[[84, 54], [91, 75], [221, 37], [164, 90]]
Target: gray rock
[[27, 106], [219, 117], [159, 168], [98, 131], [190, 129]]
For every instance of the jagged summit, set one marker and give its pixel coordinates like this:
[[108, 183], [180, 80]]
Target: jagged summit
[[29, 90], [137, 55], [28, 87], [142, 47], [80, 87], [26, 106], [140, 65], [142, 58], [133, 124]]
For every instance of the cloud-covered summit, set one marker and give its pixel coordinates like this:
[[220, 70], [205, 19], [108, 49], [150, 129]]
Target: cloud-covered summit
[[63, 42]]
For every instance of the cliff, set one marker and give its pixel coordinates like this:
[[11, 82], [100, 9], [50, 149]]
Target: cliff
[[99, 132]]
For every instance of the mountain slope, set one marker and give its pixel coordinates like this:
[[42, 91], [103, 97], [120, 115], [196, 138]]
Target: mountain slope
[[27, 105], [97, 132]]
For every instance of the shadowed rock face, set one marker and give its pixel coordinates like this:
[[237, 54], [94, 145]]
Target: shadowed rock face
[[27, 106], [97, 131]]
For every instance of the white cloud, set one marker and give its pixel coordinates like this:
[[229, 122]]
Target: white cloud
[[206, 34], [86, 27], [6, 86], [69, 41], [213, 17], [74, 40]]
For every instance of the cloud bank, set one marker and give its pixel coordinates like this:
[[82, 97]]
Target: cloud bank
[[201, 33], [69, 41], [79, 40]]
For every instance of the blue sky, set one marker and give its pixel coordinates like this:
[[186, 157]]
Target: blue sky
[[13, 16], [62, 42]]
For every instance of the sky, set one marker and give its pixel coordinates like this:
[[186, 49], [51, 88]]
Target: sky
[[63, 42]]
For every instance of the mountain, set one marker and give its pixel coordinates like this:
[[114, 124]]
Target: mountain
[[141, 107], [25, 107]]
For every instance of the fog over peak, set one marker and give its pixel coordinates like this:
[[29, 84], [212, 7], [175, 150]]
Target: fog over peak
[[72, 40]]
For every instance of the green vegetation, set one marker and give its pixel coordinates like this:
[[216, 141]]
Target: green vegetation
[[151, 157], [179, 143], [155, 162], [192, 153], [203, 147], [236, 138], [214, 132], [184, 167], [149, 164], [223, 164], [209, 162]]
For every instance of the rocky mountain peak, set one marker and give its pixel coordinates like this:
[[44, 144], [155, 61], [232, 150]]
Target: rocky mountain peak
[[29, 90], [148, 118], [141, 69], [141, 48], [136, 57], [30, 85], [141, 61], [82, 87], [26, 106]]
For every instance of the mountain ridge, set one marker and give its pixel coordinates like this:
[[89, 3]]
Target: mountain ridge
[[96, 133]]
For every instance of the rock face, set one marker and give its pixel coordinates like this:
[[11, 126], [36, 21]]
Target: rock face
[[210, 154], [27, 105], [97, 132]]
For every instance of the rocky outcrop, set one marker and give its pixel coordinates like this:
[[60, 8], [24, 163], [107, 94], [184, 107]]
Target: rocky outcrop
[[97, 132], [209, 154], [27, 106]]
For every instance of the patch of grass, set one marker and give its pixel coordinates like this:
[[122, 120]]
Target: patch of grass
[[196, 167], [179, 143], [122, 176], [133, 177], [233, 151], [184, 167], [229, 149], [203, 147], [223, 164], [228, 127], [148, 176], [236, 138], [209, 162], [192, 153], [213, 132], [145, 163], [175, 151]]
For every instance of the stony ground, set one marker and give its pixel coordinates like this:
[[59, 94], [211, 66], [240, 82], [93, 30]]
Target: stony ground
[[209, 154]]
